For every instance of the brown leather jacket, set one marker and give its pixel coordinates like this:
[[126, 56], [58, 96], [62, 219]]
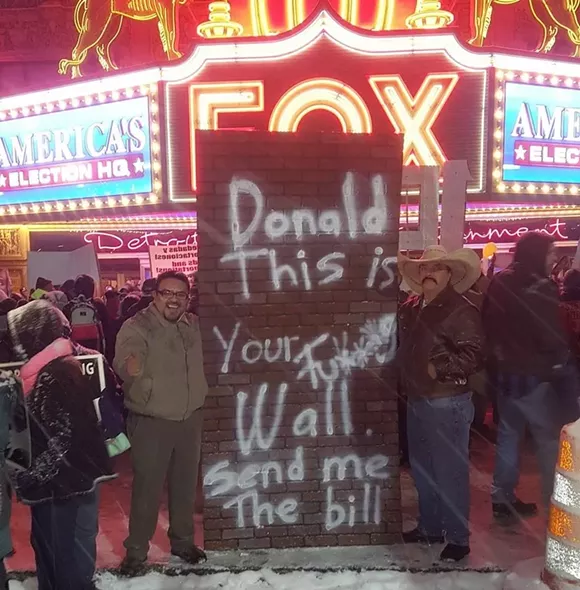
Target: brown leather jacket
[[446, 333]]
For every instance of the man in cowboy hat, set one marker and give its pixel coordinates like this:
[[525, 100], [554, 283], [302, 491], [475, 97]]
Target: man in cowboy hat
[[441, 345]]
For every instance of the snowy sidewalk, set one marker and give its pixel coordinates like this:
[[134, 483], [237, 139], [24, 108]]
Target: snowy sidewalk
[[268, 580], [495, 549]]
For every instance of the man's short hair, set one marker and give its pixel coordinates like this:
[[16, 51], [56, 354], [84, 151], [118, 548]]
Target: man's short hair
[[149, 285], [171, 274], [85, 285]]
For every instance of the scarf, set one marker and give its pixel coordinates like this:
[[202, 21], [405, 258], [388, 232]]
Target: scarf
[[29, 372]]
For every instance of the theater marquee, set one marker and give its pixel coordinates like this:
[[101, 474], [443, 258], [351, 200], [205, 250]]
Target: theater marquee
[[537, 134], [325, 76]]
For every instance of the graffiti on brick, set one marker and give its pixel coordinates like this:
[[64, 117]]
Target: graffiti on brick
[[323, 362], [300, 223]]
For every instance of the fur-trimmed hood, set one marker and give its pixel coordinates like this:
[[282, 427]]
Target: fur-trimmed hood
[[35, 326]]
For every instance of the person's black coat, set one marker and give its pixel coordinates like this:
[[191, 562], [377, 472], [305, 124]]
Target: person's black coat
[[68, 452]]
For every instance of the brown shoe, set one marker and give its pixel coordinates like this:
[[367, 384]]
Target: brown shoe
[[192, 555]]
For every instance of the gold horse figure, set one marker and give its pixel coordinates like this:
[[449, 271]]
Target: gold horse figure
[[552, 16], [99, 23]]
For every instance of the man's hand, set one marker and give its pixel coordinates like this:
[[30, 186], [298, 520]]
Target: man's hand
[[431, 371], [133, 365]]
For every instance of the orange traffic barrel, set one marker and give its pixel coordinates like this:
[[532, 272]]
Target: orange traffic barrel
[[562, 567]]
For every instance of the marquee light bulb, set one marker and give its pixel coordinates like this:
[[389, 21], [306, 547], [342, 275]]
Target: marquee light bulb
[[554, 80], [59, 206], [545, 188], [35, 208], [540, 79], [525, 77], [574, 189]]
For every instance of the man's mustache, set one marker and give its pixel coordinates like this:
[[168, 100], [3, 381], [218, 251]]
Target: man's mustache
[[429, 279]]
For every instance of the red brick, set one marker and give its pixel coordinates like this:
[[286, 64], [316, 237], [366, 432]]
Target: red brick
[[263, 543]]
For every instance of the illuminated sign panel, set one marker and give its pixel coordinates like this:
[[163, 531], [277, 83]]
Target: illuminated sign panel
[[110, 241], [101, 149], [541, 133], [439, 105], [82, 147], [536, 134]]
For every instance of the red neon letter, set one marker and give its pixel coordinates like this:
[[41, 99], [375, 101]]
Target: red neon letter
[[207, 101], [321, 94], [414, 116]]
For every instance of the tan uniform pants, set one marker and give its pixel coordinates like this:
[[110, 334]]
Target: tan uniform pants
[[163, 450]]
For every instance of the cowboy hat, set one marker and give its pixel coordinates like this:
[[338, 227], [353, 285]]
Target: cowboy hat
[[463, 264]]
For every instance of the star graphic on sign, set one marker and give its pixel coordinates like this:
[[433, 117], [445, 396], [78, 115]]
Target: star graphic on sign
[[520, 152], [3, 180], [139, 165]]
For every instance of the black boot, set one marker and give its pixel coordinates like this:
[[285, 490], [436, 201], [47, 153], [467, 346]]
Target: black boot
[[192, 555], [132, 567], [455, 552], [417, 536], [514, 509]]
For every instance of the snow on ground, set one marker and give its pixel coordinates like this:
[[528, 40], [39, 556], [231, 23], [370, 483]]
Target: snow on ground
[[268, 580]]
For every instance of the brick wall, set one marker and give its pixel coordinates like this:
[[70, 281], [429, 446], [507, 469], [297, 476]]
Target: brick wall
[[300, 444]]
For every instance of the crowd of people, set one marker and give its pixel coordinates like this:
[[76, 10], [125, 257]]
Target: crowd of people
[[514, 336], [150, 402], [518, 336]]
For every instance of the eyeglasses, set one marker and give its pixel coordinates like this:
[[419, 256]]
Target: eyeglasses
[[167, 294]]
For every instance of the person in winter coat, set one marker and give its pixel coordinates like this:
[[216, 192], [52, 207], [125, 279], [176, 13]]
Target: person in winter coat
[[570, 309], [68, 453], [159, 357], [8, 399], [441, 347], [529, 351]]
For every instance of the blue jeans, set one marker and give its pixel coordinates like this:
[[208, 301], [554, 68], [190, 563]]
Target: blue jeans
[[525, 400], [64, 539], [438, 431]]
